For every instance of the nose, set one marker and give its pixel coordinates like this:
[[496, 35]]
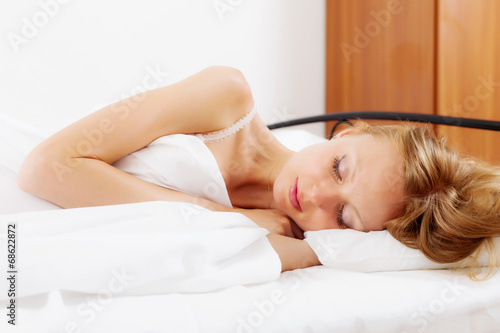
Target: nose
[[325, 195]]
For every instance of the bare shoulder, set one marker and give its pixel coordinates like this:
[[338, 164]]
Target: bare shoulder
[[224, 96]]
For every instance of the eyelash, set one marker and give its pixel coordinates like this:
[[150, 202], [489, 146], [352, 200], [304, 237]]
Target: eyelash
[[340, 220], [336, 163]]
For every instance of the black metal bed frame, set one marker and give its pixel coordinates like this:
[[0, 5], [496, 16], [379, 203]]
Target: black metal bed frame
[[342, 117]]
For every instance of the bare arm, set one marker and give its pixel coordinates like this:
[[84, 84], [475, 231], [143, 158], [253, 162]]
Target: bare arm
[[294, 253], [73, 167]]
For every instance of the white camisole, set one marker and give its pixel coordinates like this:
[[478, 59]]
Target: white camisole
[[183, 162]]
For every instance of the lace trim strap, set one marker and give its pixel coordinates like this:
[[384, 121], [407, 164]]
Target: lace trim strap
[[227, 132]]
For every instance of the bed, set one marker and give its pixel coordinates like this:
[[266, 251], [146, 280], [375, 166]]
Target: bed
[[123, 269]]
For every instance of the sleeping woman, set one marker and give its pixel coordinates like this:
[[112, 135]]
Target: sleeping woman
[[398, 178]]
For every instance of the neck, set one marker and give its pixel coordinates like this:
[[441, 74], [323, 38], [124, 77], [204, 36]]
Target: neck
[[254, 190]]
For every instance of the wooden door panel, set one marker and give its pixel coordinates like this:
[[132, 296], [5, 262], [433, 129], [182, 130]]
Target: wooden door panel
[[469, 72], [380, 56]]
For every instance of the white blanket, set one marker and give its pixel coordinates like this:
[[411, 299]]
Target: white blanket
[[153, 248]]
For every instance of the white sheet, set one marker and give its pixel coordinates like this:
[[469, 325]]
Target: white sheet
[[317, 299]]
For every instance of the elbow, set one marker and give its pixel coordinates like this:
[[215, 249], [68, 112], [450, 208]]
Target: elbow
[[39, 173], [31, 172]]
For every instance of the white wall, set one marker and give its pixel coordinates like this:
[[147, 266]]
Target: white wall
[[62, 59]]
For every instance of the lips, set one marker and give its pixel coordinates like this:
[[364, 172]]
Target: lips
[[294, 199]]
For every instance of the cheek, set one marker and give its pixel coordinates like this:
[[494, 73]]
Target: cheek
[[281, 187], [317, 220]]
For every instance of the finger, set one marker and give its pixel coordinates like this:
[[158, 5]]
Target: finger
[[297, 232], [288, 228]]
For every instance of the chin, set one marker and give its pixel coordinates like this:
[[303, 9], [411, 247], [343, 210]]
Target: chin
[[301, 225]]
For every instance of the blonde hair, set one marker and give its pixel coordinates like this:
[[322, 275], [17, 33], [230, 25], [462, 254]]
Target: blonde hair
[[452, 206]]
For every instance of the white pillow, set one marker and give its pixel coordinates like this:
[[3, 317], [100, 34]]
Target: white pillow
[[296, 139], [371, 251]]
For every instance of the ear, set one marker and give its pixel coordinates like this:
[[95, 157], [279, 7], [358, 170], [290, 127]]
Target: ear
[[344, 132]]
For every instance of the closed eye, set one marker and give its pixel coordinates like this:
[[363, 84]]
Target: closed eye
[[336, 164], [338, 177], [340, 219]]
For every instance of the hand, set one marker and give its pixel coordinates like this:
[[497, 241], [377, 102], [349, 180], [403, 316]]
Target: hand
[[273, 220]]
